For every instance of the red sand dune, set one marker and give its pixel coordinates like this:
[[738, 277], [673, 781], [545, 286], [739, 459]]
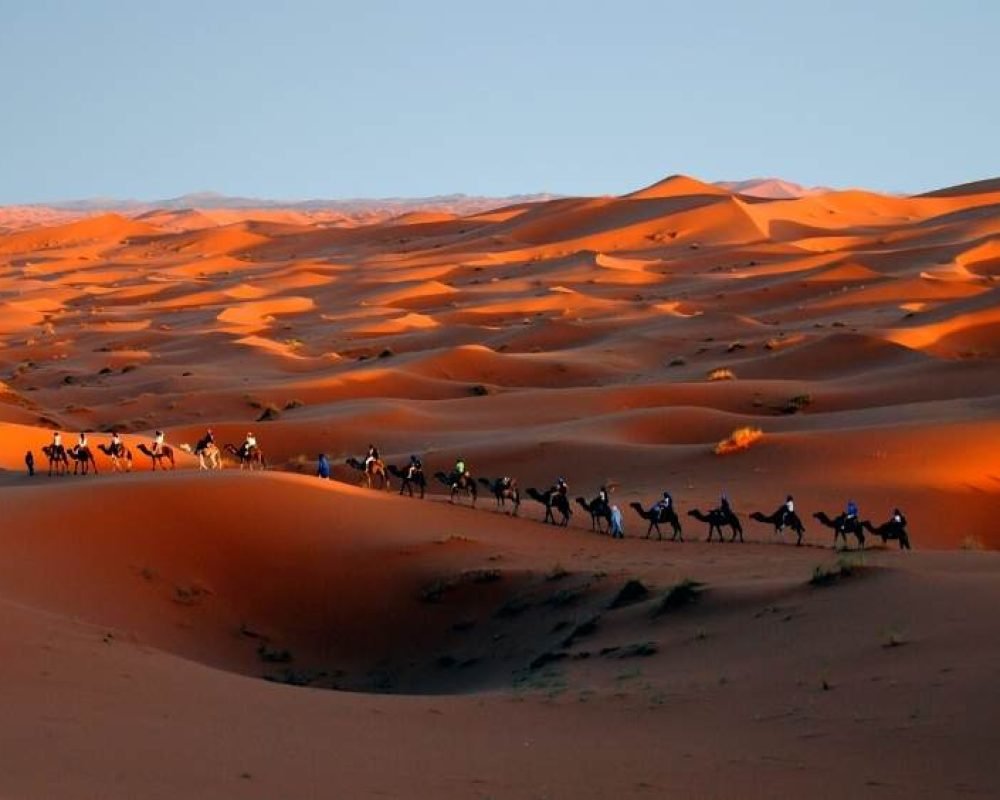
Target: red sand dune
[[446, 651]]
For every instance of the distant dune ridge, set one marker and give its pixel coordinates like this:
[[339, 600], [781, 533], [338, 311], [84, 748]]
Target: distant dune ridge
[[363, 208], [847, 341]]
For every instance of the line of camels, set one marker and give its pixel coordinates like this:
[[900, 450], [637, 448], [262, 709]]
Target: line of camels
[[376, 475], [209, 457]]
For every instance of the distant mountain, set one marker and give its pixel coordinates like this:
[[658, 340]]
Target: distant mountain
[[214, 200], [363, 209]]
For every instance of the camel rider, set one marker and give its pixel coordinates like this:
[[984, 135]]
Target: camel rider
[[461, 470], [507, 482], [57, 441], [787, 509], [663, 506], [82, 442], [851, 512], [603, 496], [898, 518], [158, 443], [562, 487], [724, 506], [414, 468], [372, 457], [116, 444], [204, 442], [249, 444]]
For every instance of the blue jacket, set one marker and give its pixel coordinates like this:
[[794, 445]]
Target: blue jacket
[[323, 467]]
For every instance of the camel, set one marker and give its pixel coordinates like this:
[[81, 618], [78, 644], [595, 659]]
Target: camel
[[370, 472], [209, 455], [550, 498], [890, 530], [250, 460], [460, 483], [504, 489], [717, 520], [657, 515], [117, 455], [57, 458], [841, 527], [778, 520], [83, 459], [598, 510], [407, 482], [166, 452]]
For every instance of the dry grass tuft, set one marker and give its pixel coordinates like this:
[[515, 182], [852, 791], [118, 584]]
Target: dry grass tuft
[[721, 375], [739, 439]]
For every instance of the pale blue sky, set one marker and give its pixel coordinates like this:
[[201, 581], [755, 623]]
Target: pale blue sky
[[373, 98]]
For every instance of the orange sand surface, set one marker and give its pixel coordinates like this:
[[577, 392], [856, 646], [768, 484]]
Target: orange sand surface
[[418, 648]]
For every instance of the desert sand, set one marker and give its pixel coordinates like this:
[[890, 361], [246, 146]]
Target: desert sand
[[269, 634]]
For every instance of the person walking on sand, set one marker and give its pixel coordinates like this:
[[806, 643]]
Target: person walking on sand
[[617, 526], [29, 462], [323, 467]]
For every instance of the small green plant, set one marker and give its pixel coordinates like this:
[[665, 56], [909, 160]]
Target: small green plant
[[270, 412], [632, 592], [825, 575], [680, 595], [581, 630], [894, 638], [269, 656], [638, 650], [796, 404]]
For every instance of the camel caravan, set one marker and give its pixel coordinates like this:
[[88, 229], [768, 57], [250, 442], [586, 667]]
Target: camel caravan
[[248, 455], [605, 516]]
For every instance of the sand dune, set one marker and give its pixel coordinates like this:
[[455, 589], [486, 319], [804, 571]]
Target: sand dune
[[611, 340]]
